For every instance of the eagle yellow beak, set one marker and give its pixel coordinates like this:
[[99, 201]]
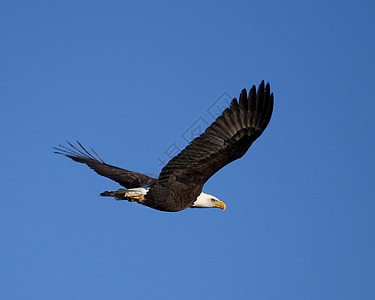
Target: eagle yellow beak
[[220, 204]]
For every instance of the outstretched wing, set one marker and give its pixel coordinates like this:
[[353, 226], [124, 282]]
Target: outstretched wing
[[226, 140], [124, 177]]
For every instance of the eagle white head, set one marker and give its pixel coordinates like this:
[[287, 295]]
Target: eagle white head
[[205, 200]]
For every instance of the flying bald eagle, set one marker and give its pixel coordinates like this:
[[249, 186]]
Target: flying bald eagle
[[180, 182]]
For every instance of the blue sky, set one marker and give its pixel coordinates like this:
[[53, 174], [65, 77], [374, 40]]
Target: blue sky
[[131, 79]]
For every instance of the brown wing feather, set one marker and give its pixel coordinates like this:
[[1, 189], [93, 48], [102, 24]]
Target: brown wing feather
[[126, 178], [226, 140]]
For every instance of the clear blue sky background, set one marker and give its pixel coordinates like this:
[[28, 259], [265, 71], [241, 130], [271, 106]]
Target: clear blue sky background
[[129, 78]]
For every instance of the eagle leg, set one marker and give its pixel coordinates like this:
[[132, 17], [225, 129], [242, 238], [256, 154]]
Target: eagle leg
[[134, 198]]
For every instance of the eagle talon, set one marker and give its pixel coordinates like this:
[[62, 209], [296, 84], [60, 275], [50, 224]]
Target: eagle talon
[[134, 198]]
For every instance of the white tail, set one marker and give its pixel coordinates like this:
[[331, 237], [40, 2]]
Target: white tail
[[131, 195]]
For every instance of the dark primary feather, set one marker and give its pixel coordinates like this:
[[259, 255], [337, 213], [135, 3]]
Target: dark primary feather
[[224, 141], [128, 179]]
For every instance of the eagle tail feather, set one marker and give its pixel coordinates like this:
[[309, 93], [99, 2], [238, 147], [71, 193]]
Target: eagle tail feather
[[126, 194]]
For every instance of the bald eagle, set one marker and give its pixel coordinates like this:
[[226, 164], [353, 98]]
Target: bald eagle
[[179, 185]]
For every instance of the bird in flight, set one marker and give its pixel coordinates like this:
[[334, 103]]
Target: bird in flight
[[180, 183]]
